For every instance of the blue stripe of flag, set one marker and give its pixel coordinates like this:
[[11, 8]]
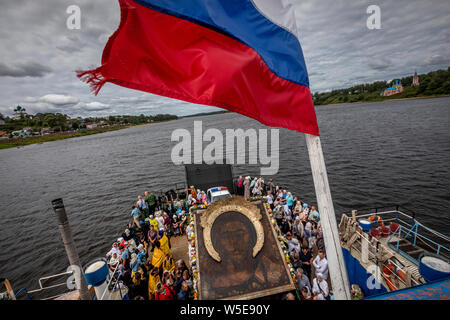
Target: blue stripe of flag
[[239, 19]]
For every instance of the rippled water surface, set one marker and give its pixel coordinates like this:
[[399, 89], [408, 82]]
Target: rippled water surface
[[376, 154]]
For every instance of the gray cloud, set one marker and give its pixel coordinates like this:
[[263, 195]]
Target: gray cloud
[[380, 65], [436, 60], [24, 69]]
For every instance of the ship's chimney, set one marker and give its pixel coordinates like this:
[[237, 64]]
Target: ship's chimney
[[69, 245]]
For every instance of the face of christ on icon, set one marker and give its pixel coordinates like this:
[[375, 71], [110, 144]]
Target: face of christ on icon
[[233, 237]]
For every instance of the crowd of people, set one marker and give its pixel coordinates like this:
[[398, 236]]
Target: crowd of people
[[300, 226], [142, 260]]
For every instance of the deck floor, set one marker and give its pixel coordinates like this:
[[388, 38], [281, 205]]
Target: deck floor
[[180, 248]]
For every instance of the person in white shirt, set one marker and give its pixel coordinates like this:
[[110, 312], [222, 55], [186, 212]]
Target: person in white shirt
[[320, 288], [114, 249], [309, 234], [160, 219], [320, 264], [293, 243], [270, 199], [189, 231], [114, 261]]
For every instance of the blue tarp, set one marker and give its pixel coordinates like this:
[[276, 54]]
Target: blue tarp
[[358, 275], [438, 290]]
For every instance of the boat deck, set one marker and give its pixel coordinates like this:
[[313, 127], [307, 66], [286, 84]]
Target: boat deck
[[406, 247], [180, 248]]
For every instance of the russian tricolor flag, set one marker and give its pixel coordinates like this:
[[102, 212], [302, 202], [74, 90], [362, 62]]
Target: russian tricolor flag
[[240, 55]]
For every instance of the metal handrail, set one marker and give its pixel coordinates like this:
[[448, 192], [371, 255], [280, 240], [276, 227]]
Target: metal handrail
[[416, 234], [414, 221], [374, 256], [402, 207], [41, 287], [111, 274], [383, 213]]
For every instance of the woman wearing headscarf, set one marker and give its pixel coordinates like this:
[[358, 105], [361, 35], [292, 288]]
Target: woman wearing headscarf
[[298, 208], [270, 199], [175, 225], [310, 234], [153, 222], [204, 198], [190, 200], [182, 220], [285, 225], [298, 228], [114, 261], [262, 187], [254, 186], [320, 288], [167, 224], [320, 242], [240, 186], [247, 187]]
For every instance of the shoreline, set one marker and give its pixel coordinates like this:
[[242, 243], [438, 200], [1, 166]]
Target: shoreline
[[399, 99], [22, 142]]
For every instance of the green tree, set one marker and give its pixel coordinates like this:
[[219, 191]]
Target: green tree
[[50, 120], [75, 124]]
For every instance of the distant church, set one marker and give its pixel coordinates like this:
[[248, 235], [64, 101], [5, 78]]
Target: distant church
[[396, 87], [415, 82], [19, 113]]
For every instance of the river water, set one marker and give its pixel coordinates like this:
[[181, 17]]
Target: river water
[[377, 154]]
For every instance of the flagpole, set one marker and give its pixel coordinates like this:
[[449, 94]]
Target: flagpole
[[335, 258]]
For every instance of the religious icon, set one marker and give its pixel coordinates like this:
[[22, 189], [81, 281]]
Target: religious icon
[[238, 254]]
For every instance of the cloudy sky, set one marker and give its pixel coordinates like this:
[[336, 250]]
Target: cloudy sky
[[38, 53]]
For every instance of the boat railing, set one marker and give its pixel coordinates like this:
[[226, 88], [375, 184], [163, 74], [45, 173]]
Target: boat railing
[[178, 187], [411, 229], [112, 277], [43, 288], [371, 253], [413, 233]]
